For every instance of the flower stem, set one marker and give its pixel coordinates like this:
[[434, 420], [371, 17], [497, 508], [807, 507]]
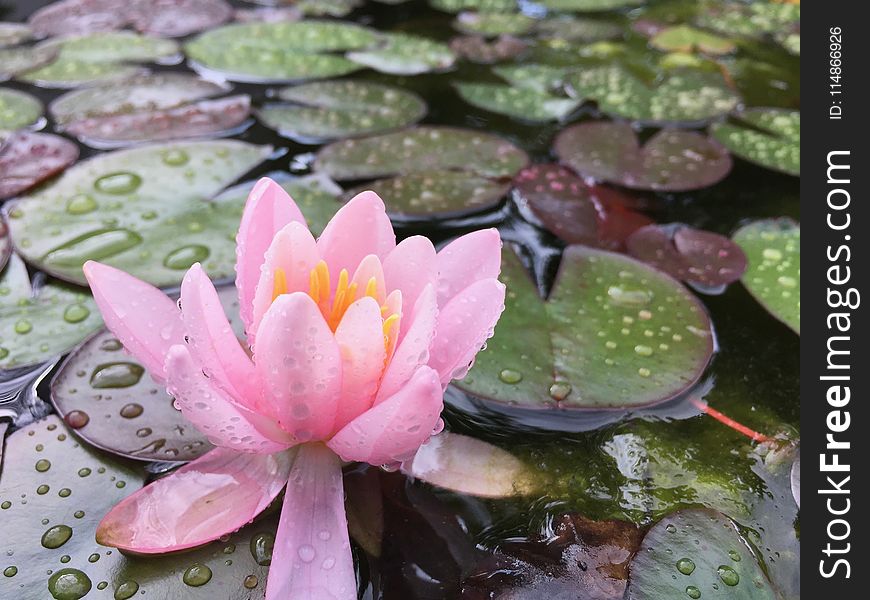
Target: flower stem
[[729, 422]]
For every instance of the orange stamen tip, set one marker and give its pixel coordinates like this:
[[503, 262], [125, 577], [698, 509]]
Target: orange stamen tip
[[279, 284]]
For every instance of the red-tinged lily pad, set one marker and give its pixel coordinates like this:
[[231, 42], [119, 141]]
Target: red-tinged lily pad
[[582, 559], [478, 49], [206, 118], [704, 259], [112, 402], [470, 466], [773, 276], [697, 553], [5, 246], [672, 160], [613, 334], [267, 14], [27, 159], [78, 16], [575, 211]]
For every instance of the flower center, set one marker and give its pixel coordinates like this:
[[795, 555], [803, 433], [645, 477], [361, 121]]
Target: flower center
[[333, 306]]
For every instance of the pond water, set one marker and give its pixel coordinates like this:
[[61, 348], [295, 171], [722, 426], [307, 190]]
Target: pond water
[[601, 475]]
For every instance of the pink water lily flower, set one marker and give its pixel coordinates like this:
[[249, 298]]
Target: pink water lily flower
[[352, 341]]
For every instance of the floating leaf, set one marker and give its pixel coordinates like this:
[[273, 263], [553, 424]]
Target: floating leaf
[[282, 51], [688, 96], [521, 103], [705, 260], [575, 211], [200, 119], [36, 325], [5, 253], [589, 5], [325, 110], [684, 38], [795, 479], [750, 20], [614, 333], [331, 8], [538, 77], [469, 466], [493, 24], [672, 160], [480, 50], [78, 17], [403, 54], [18, 109], [155, 92], [443, 194], [421, 149], [24, 58], [695, 554], [769, 137], [12, 34], [577, 29], [773, 277], [143, 210], [483, 6], [30, 158]]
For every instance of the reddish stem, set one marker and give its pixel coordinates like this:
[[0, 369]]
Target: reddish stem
[[729, 422]]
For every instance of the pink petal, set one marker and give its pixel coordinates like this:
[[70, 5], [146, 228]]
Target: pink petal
[[142, 317], [294, 250], [370, 268], [223, 422], [360, 337], [203, 500], [268, 209], [464, 325], [213, 343], [470, 258], [311, 559], [299, 362], [361, 227], [410, 267], [394, 429], [413, 349]]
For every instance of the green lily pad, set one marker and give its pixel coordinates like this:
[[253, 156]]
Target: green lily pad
[[589, 5], [12, 34], [68, 488], [577, 29], [518, 102], [18, 109], [538, 77], [672, 160], [749, 20], [322, 8], [697, 554], [112, 402], [689, 96], [36, 325], [159, 91], [24, 58], [144, 210], [768, 137], [773, 248], [421, 149], [493, 24], [403, 54], [325, 110], [483, 6], [684, 38], [614, 333], [282, 51], [442, 194]]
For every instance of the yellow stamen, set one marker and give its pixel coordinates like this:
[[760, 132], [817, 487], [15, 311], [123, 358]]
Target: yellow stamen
[[372, 288], [390, 333], [279, 285]]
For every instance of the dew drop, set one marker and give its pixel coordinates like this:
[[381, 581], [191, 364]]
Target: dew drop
[[126, 590], [184, 257], [510, 376], [116, 375], [57, 536], [42, 465], [728, 575], [81, 204], [10, 571], [693, 592], [261, 548], [76, 313], [77, 419], [122, 182], [196, 575], [69, 584], [131, 411], [685, 566]]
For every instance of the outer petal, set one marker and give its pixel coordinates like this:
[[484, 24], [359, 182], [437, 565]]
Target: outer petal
[[268, 209], [142, 317], [370, 268], [213, 343], [467, 259], [464, 325], [295, 251], [394, 429], [360, 338], [413, 349], [222, 421], [203, 500], [311, 559], [299, 363], [410, 267], [361, 227]]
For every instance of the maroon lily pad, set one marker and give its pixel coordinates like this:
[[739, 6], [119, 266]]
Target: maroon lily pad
[[701, 258], [267, 14], [584, 559], [28, 158], [78, 16], [199, 119], [671, 160], [478, 49], [576, 211], [5, 253]]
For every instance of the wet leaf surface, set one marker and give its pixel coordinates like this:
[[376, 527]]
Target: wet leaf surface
[[27, 159], [493, 24], [642, 339], [704, 259], [39, 324], [144, 210], [24, 58], [697, 554], [18, 109], [671, 160], [683, 38], [403, 54], [521, 103], [5, 248], [765, 136], [773, 248]]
